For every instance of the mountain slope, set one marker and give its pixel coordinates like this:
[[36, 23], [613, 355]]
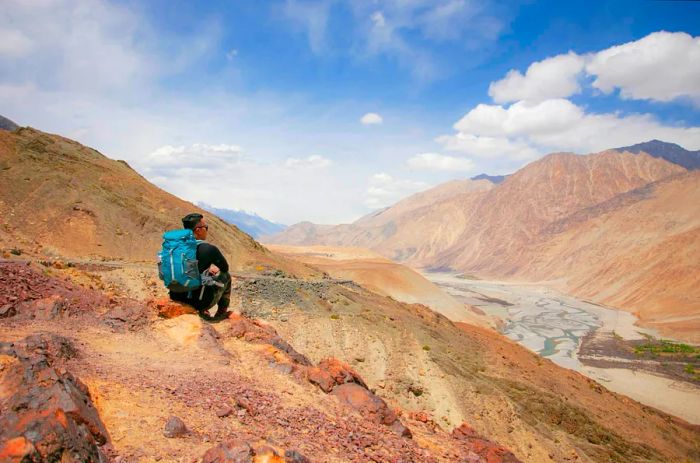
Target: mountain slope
[[512, 215], [639, 251], [668, 151], [406, 231], [71, 200]]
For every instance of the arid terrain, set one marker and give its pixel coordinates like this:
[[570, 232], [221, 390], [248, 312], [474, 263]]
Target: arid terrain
[[614, 227], [309, 367]]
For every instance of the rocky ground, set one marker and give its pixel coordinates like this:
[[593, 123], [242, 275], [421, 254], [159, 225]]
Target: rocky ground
[[86, 377]]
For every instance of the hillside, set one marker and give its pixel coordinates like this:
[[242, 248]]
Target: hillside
[[639, 251], [385, 277], [92, 363], [70, 200]]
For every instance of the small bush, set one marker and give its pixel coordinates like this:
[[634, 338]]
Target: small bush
[[426, 348]]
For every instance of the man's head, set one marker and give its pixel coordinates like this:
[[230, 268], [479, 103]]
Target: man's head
[[197, 224]]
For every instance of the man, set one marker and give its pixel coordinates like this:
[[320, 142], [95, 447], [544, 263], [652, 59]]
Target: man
[[214, 268]]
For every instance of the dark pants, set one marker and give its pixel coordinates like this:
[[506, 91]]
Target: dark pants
[[206, 297]]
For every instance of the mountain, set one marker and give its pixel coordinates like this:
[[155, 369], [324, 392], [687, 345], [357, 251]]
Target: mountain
[[6, 124], [668, 151], [408, 230], [491, 178], [510, 230], [71, 200], [252, 224], [639, 251]]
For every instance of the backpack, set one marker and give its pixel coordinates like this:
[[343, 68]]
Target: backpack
[[177, 261]]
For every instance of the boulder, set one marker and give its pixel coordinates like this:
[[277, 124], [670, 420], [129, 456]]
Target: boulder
[[369, 405], [175, 427], [48, 414], [331, 372]]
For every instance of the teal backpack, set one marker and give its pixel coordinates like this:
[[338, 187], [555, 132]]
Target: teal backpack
[[177, 261]]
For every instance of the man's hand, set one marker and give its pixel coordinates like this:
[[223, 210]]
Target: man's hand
[[213, 270]]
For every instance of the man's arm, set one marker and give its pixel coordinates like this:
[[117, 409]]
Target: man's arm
[[210, 253]]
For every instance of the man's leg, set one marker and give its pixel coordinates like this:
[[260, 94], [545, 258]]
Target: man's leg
[[222, 297]]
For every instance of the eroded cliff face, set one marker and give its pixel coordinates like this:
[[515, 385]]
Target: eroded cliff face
[[313, 369]]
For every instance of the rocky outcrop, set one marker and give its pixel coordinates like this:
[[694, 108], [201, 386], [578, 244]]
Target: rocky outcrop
[[26, 292], [483, 449], [48, 414]]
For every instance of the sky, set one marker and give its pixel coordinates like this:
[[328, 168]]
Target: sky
[[325, 110]]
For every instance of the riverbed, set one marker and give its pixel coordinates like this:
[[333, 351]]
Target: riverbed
[[553, 324]]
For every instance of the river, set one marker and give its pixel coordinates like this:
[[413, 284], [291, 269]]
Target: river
[[552, 324]]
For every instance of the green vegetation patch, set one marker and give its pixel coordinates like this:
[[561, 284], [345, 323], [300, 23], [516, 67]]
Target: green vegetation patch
[[664, 346]]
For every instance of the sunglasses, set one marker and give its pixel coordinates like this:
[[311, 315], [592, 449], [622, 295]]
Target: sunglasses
[[206, 227]]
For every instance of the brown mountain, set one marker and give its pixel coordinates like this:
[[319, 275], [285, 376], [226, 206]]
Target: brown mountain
[[411, 230], [639, 251], [504, 231], [71, 200], [89, 363]]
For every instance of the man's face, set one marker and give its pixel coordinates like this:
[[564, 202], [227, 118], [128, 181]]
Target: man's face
[[201, 229]]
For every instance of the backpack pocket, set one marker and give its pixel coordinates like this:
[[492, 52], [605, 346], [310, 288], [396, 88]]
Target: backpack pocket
[[191, 269]]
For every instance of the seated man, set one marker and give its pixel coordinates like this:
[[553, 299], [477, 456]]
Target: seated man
[[211, 262]]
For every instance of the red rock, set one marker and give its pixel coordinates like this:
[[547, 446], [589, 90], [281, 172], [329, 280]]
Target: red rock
[[60, 423], [331, 372], [168, 308], [488, 451], [17, 450], [369, 405]]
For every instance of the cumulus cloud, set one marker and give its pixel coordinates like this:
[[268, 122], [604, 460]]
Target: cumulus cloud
[[199, 156], [661, 66], [439, 162], [371, 118], [314, 161], [555, 77], [523, 130], [384, 190]]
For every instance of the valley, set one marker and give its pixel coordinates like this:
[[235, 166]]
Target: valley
[[557, 327]]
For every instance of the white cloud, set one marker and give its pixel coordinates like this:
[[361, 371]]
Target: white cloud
[[314, 162], [523, 131], [371, 118], [199, 156], [661, 66], [555, 77], [439, 162], [385, 190]]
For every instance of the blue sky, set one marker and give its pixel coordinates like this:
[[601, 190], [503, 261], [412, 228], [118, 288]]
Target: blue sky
[[326, 110]]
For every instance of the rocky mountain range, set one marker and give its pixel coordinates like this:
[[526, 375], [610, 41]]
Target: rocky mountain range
[[668, 151], [96, 366], [508, 230], [250, 223]]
